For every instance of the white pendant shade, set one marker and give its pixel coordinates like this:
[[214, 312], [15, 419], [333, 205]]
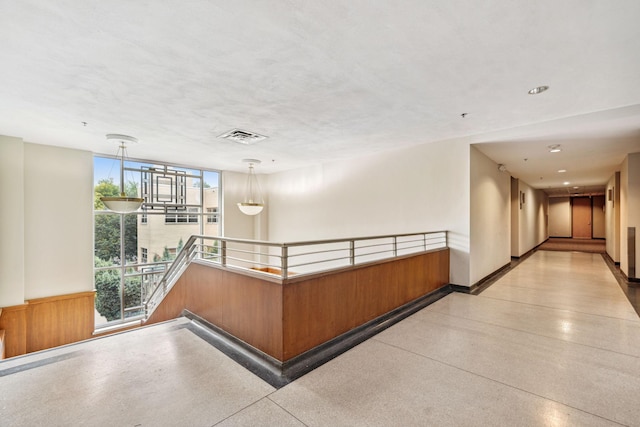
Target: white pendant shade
[[253, 202], [122, 204], [250, 208]]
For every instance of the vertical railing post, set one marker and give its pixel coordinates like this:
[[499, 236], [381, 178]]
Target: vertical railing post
[[424, 240], [284, 262], [352, 252], [395, 246], [223, 253]]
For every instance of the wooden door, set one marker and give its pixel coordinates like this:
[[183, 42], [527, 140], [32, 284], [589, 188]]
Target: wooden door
[[581, 217]]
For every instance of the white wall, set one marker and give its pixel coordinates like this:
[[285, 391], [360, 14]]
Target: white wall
[[50, 223], [424, 188], [560, 216], [58, 238], [630, 208], [612, 217], [533, 218], [235, 223], [598, 215], [11, 221], [490, 216], [515, 218]]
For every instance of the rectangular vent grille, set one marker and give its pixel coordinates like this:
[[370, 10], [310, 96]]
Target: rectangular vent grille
[[243, 136]]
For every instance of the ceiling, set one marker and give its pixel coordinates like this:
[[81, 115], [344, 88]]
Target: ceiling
[[328, 80]]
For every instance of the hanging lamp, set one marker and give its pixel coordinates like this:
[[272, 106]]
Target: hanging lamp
[[253, 202], [122, 203]]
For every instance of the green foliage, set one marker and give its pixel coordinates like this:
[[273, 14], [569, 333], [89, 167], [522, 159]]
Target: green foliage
[[104, 188], [108, 291], [131, 189], [107, 237], [107, 226]]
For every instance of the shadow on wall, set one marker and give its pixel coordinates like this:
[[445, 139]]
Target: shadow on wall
[[459, 267]]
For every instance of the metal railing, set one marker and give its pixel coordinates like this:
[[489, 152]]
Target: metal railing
[[285, 259]]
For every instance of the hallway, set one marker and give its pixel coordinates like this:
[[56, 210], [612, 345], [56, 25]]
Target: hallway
[[553, 342]]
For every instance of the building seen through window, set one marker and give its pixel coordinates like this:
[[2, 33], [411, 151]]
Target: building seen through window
[[132, 251]]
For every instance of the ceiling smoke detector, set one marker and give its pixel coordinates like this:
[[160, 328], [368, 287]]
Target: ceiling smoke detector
[[242, 136]]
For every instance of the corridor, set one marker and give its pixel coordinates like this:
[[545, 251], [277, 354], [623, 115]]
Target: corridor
[[554, 342]]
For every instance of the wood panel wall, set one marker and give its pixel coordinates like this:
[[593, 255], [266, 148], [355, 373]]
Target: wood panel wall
[[320, 309], [14, 323], [286, 318], [48, 322], [247, 307]]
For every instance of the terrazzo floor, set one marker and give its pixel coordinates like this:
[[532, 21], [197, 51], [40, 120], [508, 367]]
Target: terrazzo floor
[[554, 342]]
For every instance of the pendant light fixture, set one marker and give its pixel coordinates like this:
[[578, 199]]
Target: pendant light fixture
[[122, 203], [253, 202]]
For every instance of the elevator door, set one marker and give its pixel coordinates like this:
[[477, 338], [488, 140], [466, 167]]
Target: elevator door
[[581, 217]]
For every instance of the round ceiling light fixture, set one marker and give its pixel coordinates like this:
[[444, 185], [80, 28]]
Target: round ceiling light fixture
[[122, 203], [537, 90], [253, 202]]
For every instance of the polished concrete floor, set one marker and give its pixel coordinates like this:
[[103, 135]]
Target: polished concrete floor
[[554, 342]]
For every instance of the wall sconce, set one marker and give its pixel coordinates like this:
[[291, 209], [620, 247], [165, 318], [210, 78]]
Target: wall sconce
[[253, 202]]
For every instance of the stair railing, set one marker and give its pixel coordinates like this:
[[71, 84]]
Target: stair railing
[[285, 259]]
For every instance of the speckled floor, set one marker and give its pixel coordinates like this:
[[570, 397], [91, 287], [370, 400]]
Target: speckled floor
[[554, 342]]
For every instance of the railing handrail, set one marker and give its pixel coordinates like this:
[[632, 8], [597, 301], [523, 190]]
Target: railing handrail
[[309, 242], [188, 252]]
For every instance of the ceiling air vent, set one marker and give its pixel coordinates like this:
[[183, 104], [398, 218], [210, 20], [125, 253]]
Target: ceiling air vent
[[243, 136]]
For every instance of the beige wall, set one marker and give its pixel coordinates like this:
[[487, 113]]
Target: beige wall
[[612, 217], [11, 221], [629, 209], [532, 220], [48, 235], [424, 188], [560, 217], [598, 215], [490, 233]]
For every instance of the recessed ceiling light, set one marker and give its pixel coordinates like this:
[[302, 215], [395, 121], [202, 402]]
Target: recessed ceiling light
[[555, 148], [537, 90], [562, 170], [576, 187], [566, 183]]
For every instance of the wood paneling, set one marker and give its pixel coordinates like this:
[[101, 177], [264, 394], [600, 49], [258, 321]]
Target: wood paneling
[[286, 318], [59, 320], [281, 318], [247, 307], [320, 309], [14, 323], [47, 322]]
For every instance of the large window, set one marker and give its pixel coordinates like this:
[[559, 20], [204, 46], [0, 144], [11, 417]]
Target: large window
[[132, 251]]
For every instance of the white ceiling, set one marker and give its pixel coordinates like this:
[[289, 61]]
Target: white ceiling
[[328, 80]]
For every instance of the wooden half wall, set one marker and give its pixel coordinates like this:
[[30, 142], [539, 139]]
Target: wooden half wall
[[49, 322], [285, 318]]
